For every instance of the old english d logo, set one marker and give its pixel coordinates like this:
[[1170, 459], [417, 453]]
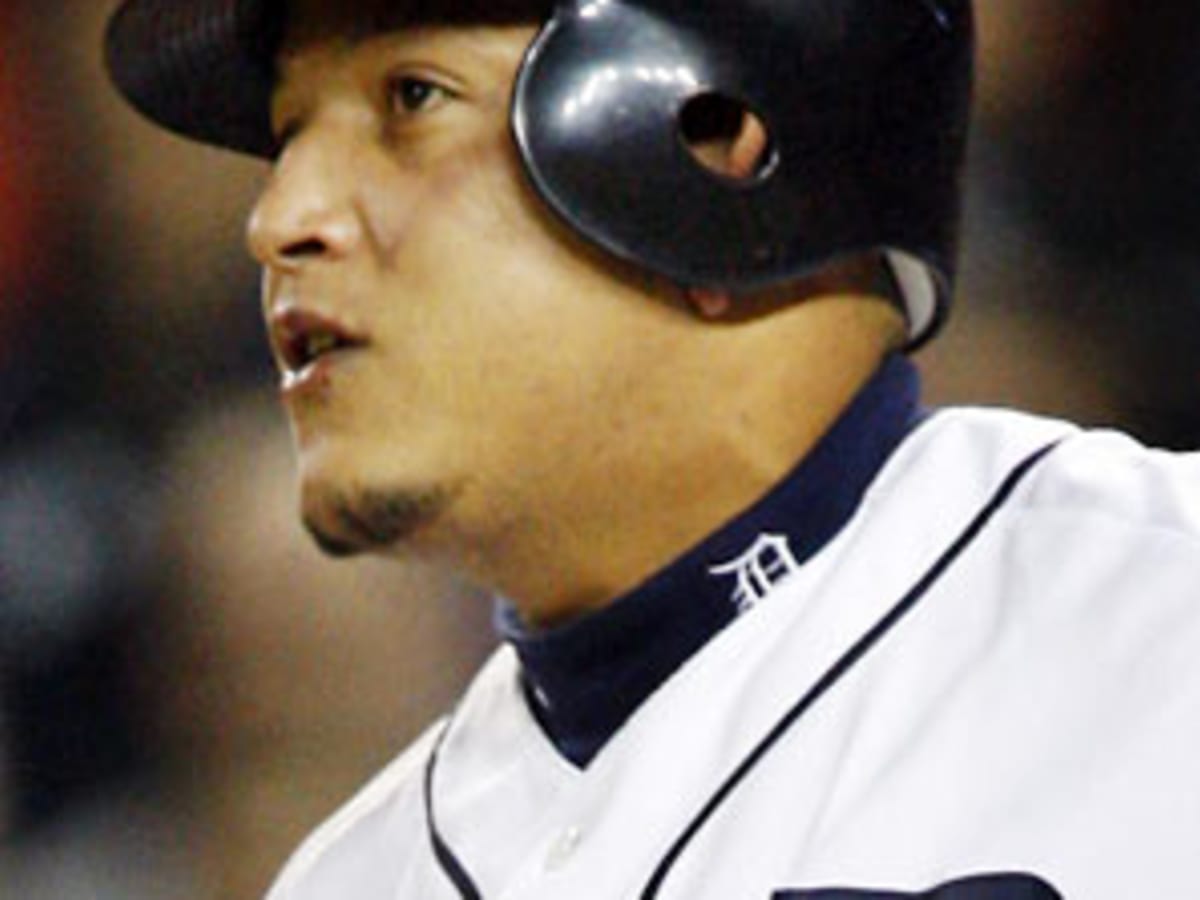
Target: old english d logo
[[982, 887]]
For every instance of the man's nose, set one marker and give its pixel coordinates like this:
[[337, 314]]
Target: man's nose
[[307, 212]]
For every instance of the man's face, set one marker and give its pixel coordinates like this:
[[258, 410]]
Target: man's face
[[451, 357]]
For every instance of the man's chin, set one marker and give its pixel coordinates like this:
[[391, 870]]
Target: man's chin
[[371, 520]]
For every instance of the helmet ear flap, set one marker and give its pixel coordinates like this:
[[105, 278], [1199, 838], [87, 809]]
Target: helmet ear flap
[[626, 119], [734, 146]]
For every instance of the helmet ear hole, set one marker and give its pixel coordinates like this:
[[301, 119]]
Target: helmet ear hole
[[726, 137]]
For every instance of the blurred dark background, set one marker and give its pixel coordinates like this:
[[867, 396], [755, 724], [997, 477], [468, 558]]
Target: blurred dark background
[[186, 687]]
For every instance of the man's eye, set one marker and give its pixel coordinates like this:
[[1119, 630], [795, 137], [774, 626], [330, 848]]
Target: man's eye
[[408, 94]]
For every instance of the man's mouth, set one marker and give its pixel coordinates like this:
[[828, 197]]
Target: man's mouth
[[304, 338]]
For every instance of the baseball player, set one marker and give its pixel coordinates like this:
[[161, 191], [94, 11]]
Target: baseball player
[[602, 302]]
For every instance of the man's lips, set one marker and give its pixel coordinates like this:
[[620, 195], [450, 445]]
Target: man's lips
[[303, 337]]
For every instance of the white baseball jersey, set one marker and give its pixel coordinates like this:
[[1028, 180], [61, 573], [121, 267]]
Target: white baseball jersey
[[986, 686]]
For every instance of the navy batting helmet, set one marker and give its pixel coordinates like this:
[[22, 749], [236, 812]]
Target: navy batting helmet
[[865, 104]]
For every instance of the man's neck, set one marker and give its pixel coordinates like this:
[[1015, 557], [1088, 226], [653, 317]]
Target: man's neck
[[684, 475]]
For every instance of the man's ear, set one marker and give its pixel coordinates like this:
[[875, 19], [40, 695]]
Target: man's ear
[[739, 158], [725, 137], [748, 149]]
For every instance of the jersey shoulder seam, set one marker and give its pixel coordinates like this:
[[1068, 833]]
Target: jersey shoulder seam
[[377, 791]]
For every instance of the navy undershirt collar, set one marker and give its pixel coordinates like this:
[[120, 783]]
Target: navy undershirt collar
[[585, 679]]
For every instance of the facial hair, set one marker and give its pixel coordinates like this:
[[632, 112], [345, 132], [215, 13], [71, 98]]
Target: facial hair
[[375, 519]]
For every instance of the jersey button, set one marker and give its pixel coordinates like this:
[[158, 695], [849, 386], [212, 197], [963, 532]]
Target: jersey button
[[563, 848]]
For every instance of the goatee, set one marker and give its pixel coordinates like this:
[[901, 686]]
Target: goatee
[[374, 519]]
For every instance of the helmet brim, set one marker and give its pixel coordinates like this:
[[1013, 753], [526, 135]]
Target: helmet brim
[[200, 68]]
